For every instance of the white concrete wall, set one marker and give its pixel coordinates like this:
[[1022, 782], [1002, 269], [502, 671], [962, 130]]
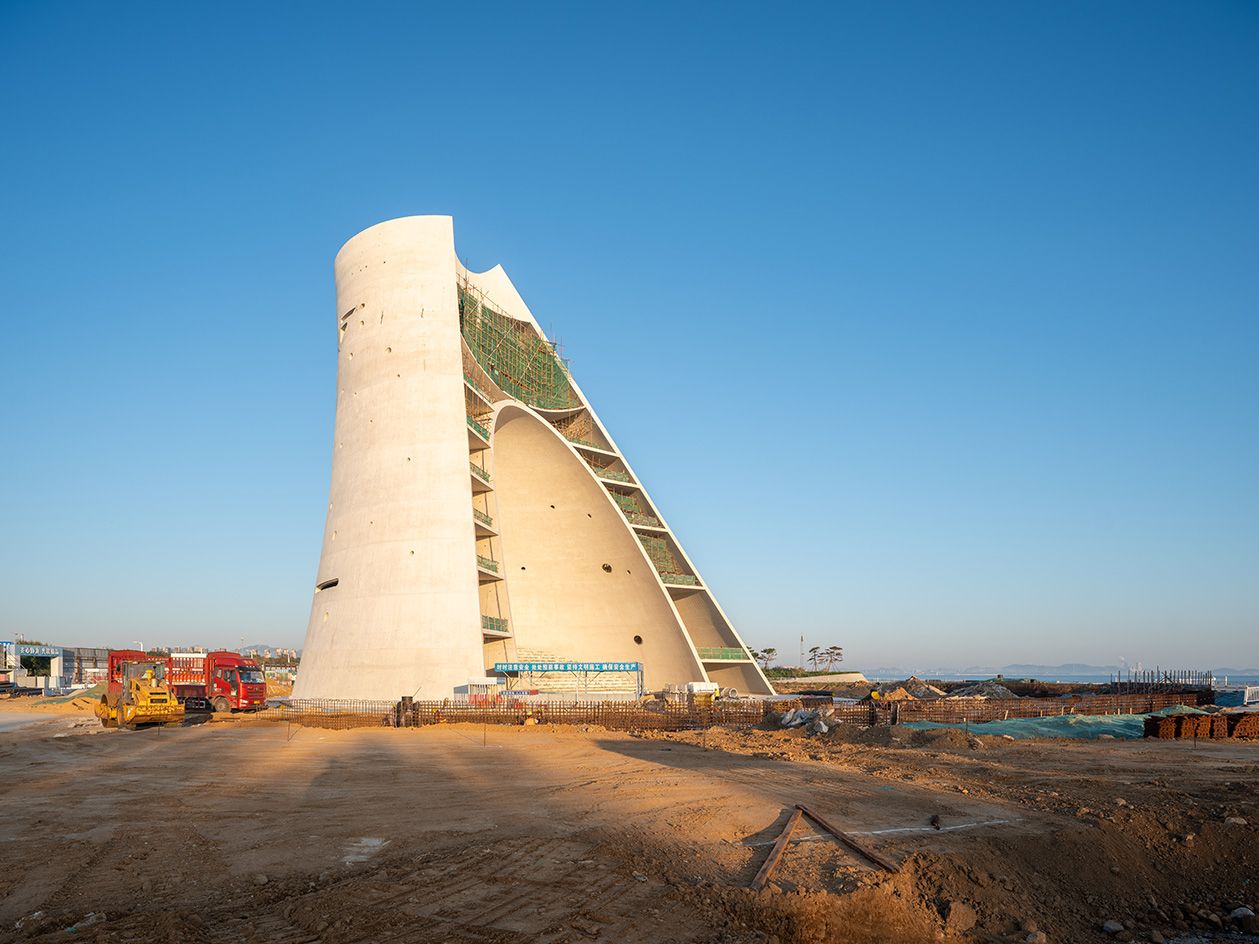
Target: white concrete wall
[[403, 618], [559, 531]]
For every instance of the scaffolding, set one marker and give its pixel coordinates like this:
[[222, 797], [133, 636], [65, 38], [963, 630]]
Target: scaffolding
[[479, 428], [513, 355], [578, 428], [628, 503], [467, 378], [606, 471], [661, 557], [633, 510]]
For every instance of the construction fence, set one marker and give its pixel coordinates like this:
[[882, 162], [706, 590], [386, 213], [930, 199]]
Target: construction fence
[[638, 716], [954, 710], [615, 715]]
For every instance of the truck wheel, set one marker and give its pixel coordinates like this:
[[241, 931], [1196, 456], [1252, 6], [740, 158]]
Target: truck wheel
[[220, 704]]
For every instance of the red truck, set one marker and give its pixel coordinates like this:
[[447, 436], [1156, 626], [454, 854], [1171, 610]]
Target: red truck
[[218, 681]]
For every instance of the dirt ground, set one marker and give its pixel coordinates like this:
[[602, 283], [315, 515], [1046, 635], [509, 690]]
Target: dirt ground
[[253, 831]]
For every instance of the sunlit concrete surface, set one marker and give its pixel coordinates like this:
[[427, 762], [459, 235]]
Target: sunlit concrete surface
[[479, 510]]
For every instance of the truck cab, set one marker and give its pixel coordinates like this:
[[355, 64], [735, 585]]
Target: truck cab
[[234, 682]]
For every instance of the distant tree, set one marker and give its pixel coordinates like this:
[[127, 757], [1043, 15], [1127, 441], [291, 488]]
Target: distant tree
[[766, 656], [832, 655], [815, 656], [38, 666]]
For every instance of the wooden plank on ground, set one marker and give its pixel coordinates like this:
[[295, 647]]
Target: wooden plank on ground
[[848, 840], [776, 853]]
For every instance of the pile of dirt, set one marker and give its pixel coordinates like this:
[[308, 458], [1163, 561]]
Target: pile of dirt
[[886, 914], [836, 744], [83, 700], [911, 689], [899, 693]]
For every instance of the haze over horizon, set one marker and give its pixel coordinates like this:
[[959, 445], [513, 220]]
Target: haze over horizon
[[935, 332]]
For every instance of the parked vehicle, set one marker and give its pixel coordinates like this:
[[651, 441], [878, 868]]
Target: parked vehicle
[[137, 692], [218, 681]]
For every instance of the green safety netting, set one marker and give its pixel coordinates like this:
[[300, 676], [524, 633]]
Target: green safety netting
[[1074, 727], [521, 362]]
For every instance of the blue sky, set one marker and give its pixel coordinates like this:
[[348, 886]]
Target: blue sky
[[933, 330]]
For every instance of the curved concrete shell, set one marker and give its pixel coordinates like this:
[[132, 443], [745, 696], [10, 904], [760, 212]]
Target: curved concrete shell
[[479, 511]]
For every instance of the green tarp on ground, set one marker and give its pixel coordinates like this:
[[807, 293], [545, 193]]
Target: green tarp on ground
[[1076, 727]]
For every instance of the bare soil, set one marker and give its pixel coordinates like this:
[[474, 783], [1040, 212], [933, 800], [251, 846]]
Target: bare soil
[[237, 830]]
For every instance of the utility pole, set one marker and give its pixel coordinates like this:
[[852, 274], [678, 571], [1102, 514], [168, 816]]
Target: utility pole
[[802, 652]]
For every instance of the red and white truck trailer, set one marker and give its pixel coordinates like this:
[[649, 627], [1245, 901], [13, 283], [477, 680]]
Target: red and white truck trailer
[[217, 681]]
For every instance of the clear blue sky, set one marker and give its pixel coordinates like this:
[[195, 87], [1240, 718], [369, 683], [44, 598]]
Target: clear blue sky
[[933, 329]]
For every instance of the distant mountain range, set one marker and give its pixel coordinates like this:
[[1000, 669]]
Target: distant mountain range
[[1026, 671]]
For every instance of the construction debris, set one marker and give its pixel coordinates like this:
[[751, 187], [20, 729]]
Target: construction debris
[[986, 689], [813, 720]]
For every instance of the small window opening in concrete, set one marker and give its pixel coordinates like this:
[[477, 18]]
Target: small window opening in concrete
[[327, 584], [388, 350], [552, 506], [607, 568], [638, 640], [522, 568]]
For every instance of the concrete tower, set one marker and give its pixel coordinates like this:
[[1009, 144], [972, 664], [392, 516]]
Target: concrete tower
[[479, 511]]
